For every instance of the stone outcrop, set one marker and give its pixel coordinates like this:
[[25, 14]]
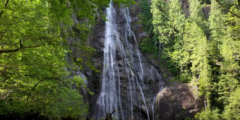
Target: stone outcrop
[[176, 102]]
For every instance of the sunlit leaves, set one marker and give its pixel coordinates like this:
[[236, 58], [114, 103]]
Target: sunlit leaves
[[36, 71]]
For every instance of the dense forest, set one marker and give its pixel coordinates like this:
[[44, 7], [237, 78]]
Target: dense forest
[[38, 38], [201, 49]]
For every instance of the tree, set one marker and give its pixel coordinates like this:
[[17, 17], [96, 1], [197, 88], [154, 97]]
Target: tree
[[229, 68], [160, 18], [197, 15], [33, 41], [217, 32], [149, 44], [195, 56], [233, 108], [168, 22], [229, 79], [194, 53], [32, 56], [177, 20], [209, 114]]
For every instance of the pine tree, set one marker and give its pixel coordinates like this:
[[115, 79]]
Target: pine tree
[[197, 15], [217, 29], [230, 51], [149, 44], [168, 22], [160, 18], [232, 110], [177, 20], [230, 68], [194, 55], [224, 56]]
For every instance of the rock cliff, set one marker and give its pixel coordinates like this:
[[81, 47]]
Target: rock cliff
[[143, 91]]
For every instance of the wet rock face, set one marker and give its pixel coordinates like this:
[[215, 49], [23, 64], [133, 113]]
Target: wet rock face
[[149, 80], [176, 102]]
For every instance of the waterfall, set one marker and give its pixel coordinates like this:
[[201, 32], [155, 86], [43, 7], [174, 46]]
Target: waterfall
[[109, 102]]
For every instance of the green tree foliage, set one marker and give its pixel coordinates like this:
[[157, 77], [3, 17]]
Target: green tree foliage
[[232, 110], [217, 32], [205, 51], [32, 57], [230, 68], [168, 21], [229, 50], [195, 52], [225, 61], [71, 104], [146, 21], [196, 14], [33, 49], [216, 23], [209, 114], [177, 20], [195, 49], [160, 18], [146, 16]]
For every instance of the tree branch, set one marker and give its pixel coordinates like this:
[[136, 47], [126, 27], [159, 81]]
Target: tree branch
[[41, 81], [228, 9], [6, 4], [109, 116], [17, 49]]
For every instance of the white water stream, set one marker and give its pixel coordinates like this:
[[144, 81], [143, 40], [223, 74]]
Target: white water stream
[[109, 100]]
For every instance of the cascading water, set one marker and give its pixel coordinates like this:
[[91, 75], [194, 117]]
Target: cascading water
[[129, 32], [110, 101]]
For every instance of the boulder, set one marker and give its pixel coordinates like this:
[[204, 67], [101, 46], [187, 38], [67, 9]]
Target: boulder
[[177, 102]]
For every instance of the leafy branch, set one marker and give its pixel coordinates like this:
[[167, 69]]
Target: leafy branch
[[6, 4], [17, 49]]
